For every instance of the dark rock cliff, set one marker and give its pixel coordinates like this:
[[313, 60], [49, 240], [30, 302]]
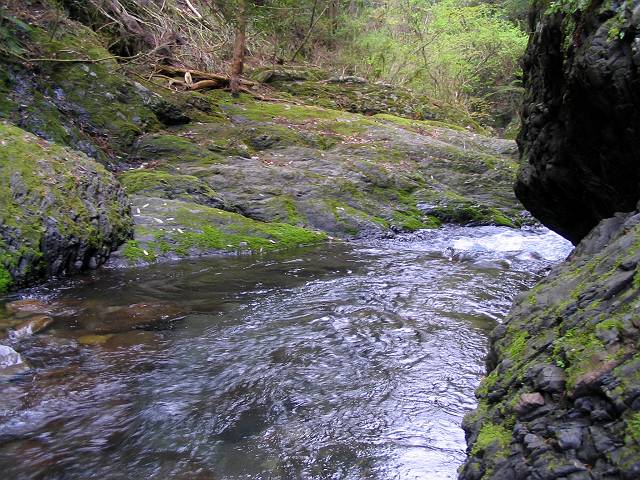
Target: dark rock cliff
[[581, 119], [562, 396]]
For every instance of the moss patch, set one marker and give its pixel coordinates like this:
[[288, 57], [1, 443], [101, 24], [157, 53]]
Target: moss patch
[[5, 280], [167, 185], [492, 435], [633, 426], [172, 150], [177, 228]]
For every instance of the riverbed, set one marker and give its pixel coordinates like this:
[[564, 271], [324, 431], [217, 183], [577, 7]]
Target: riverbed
[[342, 361]]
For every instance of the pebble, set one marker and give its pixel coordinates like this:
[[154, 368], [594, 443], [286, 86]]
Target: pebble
[[11, 362]]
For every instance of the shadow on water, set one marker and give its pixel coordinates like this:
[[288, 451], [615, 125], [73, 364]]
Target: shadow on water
[[336, 362]]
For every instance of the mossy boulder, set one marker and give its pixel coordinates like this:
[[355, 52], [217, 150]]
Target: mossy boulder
[[60, 211], [562, 397]]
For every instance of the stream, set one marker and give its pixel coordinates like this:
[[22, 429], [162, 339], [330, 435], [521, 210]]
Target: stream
[[342, 361]]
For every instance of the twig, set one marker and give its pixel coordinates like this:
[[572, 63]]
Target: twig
[[193, 9]]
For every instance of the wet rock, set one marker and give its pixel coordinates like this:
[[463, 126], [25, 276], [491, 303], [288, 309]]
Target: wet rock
[[551, 379], [11, 362], [602, 441], [27, 307], [589, 381], [93, 339], [569, 438], [139, 316], [169, 113], [528, 402], [32, 326], [577, 360]]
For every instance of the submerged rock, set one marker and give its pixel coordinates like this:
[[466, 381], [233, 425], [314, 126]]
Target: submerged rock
[[105, 319], [32, 326], [29, 306]]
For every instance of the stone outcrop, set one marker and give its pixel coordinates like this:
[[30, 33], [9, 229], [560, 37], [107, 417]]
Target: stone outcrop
[[562, 399], [562, 396], [60, 211], [581, 118]]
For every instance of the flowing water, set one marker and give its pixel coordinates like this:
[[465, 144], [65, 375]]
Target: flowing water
[[347, 361]]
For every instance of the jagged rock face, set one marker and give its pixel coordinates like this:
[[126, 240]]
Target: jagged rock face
[[581, 119], [562, 399], [60, 211]]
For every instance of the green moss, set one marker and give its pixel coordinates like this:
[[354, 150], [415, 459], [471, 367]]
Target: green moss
[[133, 252], [300, 117], [267, 236], [633, 426], [577, 351], [350, 217], [492, 435], [268, 111], [609, 324], [517, 345], [431, 222], [499, 218], [283, 209], [487, 384], [455, 208], [412, 220], [205, 230], [5, 280], [173, 149], [166, 185], [419, 126]]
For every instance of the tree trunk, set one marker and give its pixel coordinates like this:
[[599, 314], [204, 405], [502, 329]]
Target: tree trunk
[[238, 48], [334, 12]]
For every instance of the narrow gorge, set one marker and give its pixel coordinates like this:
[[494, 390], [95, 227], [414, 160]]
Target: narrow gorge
[[320, 275]]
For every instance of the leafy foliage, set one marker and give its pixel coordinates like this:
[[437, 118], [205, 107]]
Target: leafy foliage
[[454, 50]]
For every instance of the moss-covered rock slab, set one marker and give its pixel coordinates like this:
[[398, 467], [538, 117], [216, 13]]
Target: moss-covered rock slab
[[172, 229], [60, 211], [330, 170]]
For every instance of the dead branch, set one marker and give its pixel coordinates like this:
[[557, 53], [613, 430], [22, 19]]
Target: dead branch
[[201, 75], [202, 84]]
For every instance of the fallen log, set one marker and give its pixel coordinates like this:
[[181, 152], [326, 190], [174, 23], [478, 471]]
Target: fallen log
[[199, 74], [202, 84]]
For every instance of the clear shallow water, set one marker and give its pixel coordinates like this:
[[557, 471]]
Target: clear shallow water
[[338, 362]]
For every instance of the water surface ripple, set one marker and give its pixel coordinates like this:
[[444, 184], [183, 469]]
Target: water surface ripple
[[342, 362]]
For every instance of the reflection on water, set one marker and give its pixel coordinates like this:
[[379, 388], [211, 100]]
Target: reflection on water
[[337, 362]]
